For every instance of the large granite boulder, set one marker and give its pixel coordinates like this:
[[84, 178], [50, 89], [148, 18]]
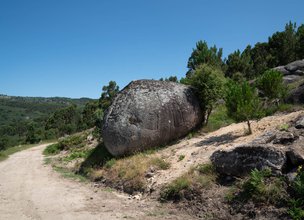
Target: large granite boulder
[[149, 113]]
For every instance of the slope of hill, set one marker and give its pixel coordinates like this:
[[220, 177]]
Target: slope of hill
[[18, 114]]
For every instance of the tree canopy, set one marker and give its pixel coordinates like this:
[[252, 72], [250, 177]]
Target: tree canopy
[[242, 102], [208, 82], [203, 54]]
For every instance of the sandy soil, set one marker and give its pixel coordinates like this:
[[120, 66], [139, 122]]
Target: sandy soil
[[31, 190], [198, 149]]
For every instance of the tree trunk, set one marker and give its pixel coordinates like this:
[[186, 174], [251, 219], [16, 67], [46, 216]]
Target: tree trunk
[[249, 127], [208, 115]]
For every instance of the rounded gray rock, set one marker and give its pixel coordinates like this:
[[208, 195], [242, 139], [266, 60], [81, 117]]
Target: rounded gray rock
[[149, 113], [243, 159]]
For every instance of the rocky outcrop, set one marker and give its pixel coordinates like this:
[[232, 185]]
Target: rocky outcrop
[[293, 73], [295, 68], [296, 95], [281, 151], [241, 160], [300, 123], [149, 113]]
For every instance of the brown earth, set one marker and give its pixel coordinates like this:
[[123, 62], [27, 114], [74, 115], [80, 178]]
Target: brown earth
[[29, 189]]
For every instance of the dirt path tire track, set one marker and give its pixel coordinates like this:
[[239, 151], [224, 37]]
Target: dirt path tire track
[[31, 190]]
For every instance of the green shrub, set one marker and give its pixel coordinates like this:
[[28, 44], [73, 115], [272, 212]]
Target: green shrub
[[296, 205], [256, 184], [75, 140], [208, 82], [271, 85], [284, 127], [298, 184], [296, 210], [174, 190], [243, 103], [52, 149], [110, 163], [197, 178], [77, 154], [181, 157], [262, 187], [207, 169]]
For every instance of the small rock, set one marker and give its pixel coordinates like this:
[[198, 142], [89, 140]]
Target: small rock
[[151, 169], [295, 154], [149, 175], [265, 138], [284, 138], [300, 123], [90, 138], [291, 175], [137, 197]]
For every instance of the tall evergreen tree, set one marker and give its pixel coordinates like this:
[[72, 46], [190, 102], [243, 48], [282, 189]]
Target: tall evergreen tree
[[202, 54]]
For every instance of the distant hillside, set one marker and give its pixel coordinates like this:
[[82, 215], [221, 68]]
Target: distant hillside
[[18, 114], [16, 108]]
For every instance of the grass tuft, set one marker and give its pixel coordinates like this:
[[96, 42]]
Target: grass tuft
[[181, 157], [196, 179], [52, 149]]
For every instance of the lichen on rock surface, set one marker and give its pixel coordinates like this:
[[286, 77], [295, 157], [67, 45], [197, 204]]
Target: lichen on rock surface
[[149, 113]]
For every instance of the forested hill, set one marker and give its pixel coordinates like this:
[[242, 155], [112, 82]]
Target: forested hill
[[28, 119], [16, 108]]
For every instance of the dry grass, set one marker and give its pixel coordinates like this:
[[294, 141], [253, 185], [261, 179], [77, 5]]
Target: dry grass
[[197, 178], [129, 173]]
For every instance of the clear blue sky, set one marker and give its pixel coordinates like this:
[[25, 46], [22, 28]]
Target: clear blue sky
[[72, 48]]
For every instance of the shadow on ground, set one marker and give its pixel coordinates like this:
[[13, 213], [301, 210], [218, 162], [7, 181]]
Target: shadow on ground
[[97, 158], [218, 140]]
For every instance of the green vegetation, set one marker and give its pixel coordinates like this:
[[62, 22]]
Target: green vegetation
[[218, 118], [208, 82], [262, 187], [282, 48], [284, 127], [206, 71], [202, 54], [23, 119], [170, 79], [108, 94], [271, 85], [68, 143], [30, 120], [296, 209], [242, 102], [52, 149], [201, 177], [181, 157], [238, 62]]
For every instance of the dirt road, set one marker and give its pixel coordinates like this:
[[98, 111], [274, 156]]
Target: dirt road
[[31, 190]]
